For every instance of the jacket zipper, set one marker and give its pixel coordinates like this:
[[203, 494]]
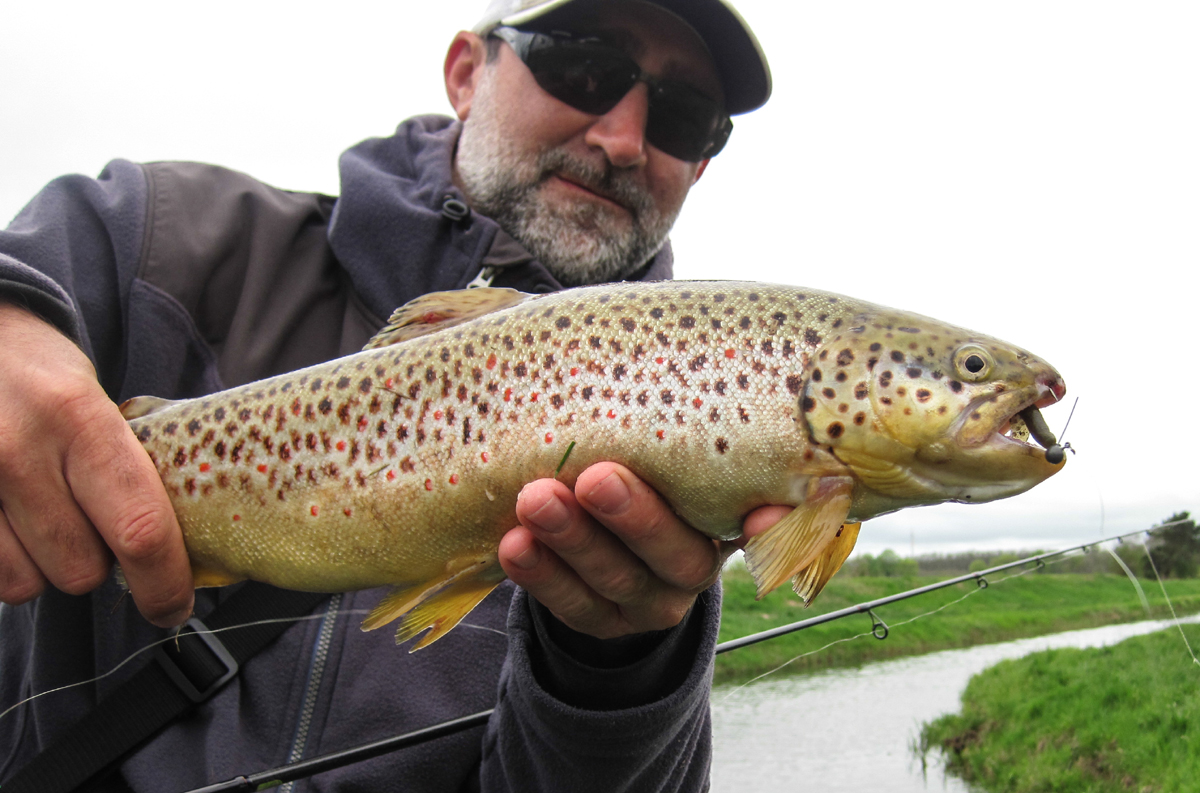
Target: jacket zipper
[[313, 687]]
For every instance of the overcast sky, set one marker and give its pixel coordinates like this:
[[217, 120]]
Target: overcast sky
[[1027, 169]]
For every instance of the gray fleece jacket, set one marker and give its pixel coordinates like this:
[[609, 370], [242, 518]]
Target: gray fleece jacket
[[180, 279]]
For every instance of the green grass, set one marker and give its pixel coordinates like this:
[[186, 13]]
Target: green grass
[[1032, 605], [1118, 718]]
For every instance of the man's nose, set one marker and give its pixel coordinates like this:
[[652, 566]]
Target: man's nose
[[621, 132]]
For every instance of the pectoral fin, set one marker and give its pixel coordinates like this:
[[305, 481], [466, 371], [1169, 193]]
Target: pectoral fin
[[439, 603], [804, 534], [809, 582]]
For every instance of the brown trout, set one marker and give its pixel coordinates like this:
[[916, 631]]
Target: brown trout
[[401, 464]]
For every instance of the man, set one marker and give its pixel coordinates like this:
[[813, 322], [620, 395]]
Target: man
[[583, 123]]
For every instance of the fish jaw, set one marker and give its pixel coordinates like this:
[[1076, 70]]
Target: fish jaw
[[923, 413]]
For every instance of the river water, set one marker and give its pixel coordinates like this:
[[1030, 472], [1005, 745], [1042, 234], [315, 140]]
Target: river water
[[849, 730]]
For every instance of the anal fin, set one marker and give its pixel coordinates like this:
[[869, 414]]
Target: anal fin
[[438, 604], [795, 542], [202, 577], [809, 582]]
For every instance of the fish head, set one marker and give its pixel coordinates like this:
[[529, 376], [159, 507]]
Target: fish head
[[923, 412]]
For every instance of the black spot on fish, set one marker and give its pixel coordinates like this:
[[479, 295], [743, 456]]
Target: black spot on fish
[[768, 348], [828, 393], [556, 400], [743, 381], [816, 375], [808, 404], [667, 396], [897, 356], [657, 313], [811, 337], [835, 429], [562, 323], [744, 323], [719, 387], [193, 427], [859, 418], [520, 369], [793, 383], [343, 382], [687, 322], [860, 391], [845, 357], [595, 342], [955, 386], [172, 426], [743, 414], [722, 445], [697, 363], [876, 347]]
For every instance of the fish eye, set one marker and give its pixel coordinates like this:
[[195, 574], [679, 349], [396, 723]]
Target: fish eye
[[973, 363]]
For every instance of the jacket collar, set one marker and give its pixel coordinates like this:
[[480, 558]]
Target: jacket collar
[[398, 232]]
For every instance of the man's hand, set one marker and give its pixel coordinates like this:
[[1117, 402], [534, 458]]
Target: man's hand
[[612, 558], [75, 482]]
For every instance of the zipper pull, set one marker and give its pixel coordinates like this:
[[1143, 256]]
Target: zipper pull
[[485, 278]]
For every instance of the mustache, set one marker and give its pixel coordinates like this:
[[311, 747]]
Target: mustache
[[618, 184]]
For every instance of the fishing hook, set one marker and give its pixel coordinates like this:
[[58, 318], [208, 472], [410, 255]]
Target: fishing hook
[[982, 582]]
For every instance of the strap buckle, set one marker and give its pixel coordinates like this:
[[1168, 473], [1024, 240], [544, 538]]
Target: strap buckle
[[200, 656]]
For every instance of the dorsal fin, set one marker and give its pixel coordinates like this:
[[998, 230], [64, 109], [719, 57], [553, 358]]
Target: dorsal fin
[[440, 310], [144, 405]]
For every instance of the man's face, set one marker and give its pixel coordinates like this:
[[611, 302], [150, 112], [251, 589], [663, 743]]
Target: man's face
[[586, 194]]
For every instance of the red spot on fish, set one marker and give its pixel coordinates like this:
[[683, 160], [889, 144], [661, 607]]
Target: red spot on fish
[[612, 414], [388, 383], [508, 395], [204, 467], [347, 512], [341, 446], [391, 475], [429, 484], [491, 361], [437, 415], [262, 469], [661, 434], [533, 397], [430, 317], [484, 456], [237, 517], [659, 360], [362, 423], [730, 353], [314, 510], [574, 371], [296, 407], [696, 402], [454, 479], [549, 437]]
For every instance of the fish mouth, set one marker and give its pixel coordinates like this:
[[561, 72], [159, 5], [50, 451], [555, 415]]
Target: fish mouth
[[1012, 418]]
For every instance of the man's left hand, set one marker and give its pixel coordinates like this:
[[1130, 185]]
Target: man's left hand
[[611, 558]]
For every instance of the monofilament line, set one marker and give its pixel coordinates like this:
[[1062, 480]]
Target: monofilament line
[[170, 638], [1170, 605]]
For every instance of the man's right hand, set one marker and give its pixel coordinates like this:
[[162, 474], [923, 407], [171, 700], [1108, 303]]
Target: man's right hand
[[75, 482]]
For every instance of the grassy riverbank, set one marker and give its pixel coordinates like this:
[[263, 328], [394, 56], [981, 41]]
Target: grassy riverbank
[[1030, 605], [1116, 718]]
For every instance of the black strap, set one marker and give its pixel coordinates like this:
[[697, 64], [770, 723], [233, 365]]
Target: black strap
[[184, 673]]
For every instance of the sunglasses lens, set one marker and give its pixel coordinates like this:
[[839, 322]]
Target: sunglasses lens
[[685, 123], [590, 79]]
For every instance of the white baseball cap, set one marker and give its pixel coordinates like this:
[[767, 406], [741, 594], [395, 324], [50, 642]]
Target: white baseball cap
[[741, 64]]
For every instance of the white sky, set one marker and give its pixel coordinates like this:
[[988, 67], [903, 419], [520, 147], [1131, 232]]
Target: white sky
[[1027, 169]]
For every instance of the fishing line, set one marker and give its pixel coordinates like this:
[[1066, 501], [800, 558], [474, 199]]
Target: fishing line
[[871, 632], [173, 637], [1170, 605], [1132, 578]]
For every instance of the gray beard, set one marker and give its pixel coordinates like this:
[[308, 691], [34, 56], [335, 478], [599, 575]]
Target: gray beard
[[580, 243]]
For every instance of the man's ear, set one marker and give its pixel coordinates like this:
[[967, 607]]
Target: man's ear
[[465, 61], [700, 170]]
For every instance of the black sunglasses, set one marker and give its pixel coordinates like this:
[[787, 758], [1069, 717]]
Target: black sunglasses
[[593, 77]]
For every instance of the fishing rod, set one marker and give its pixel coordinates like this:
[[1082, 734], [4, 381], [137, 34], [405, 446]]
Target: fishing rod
[[264, 780]]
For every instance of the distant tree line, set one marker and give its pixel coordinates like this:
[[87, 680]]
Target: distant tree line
[[1175, 551]]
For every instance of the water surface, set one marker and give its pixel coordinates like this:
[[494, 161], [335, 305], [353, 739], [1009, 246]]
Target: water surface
[[849, 730]]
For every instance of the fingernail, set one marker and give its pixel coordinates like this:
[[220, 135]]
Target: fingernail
[[529, 559], [551, 516], [610, 494], [179, 617]]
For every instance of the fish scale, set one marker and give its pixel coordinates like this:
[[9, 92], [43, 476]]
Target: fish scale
[[401, 464]]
